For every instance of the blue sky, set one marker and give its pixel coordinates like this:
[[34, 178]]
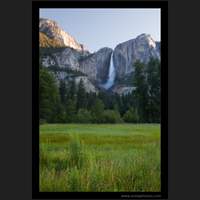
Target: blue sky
[[97, 28]]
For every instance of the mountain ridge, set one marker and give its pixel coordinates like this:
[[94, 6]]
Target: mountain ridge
[[74, 56]]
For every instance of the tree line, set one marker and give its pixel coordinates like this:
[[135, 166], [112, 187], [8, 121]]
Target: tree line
[[70, 103]]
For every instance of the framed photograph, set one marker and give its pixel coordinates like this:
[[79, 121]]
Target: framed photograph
[[100, 99]]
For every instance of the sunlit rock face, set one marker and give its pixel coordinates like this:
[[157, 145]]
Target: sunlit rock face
[[54, 31], [141, 48]]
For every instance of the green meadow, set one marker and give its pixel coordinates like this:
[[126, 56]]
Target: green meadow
[[100, 157]]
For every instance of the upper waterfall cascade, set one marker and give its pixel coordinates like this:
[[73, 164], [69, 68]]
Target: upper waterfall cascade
[[111, 75]]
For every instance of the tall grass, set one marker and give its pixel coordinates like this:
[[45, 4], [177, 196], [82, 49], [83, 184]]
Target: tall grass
[[99, 163], [76, 152]]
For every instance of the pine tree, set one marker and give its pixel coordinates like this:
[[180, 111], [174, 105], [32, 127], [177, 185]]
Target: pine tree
[[91, 98], [141, 91], [49, 100], [71, 111], [153, 80], [72, 90], [81, 96], [63, 92], [97, 111]]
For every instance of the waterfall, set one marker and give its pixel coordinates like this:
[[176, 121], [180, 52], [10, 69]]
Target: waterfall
[[111, 75]]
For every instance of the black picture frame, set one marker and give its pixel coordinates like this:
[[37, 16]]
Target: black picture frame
[[163, 5]]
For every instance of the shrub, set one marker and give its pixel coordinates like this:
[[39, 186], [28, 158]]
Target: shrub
[[43, 121], [131, 116], [111, 116], [97, 111], [83, 116]]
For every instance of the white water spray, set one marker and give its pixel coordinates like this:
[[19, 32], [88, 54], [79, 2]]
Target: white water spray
[[111, 75]]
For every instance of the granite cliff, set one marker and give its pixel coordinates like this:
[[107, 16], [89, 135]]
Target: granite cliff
[[67, 59]]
